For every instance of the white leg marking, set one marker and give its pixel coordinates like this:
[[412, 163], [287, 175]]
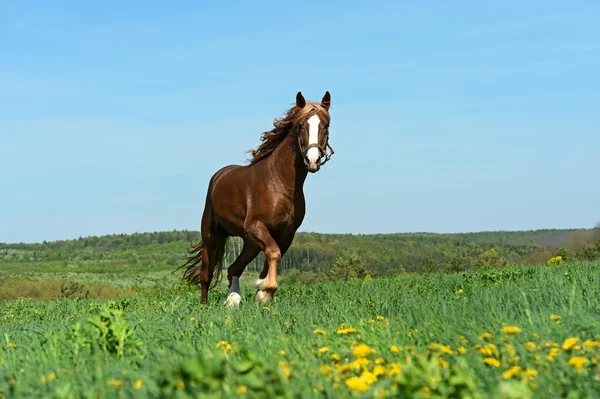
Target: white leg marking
[[313, 138], [263, 297], [260, 283], [235, 293]]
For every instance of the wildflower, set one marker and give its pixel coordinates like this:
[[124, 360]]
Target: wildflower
[[490, 361], [12, 345], [461, 350], [530, 346], [336, 358], [318, 331], [530, 372], [570, 343], [460, 291], [394, 349], [226, 346], [266, 309], [556, 260], [345, 330], [357, 384], [114, 383], [589, 344], [577, 362], [489, 350], [394, 369], [380, 318], [511, 372], [362, 350], [282, 353], [368, 377], [379, 360], [463, 338], [180, 384], [370, 321], [285, 368], [443, 363], [242, 389], [446, 349], [51, 377], [192, 318], [138, 384], [486, 335], [43, 379], [378, 370], [323, 349], [511, 330], [554, 317]]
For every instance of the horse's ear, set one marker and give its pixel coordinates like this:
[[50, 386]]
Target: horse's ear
[[300, 101], [326, 101]]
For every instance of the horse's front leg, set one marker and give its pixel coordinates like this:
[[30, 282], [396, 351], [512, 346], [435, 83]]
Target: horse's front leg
[[267, 284]]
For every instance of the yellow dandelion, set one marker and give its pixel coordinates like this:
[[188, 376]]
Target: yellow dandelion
[[394, 349], [554, 317], [490, 361], [511, 372], [242, 389], [379, 360], [346, 331], [530, 372], [379, 370], [266, 309], [12, 345], [335, 357], [225, 345], [489, 350], [486, 335], [446, 349], [570, 343], [394, 369], [463, 338], [180, 384], [362, 350], [368, 377], [43, 379], [380, 318], [357, 384], [589, 344], [282, 352], [192, 318], [138, 384], [51, 377], [460, 291], [323, 349], [443, 363], [530, 346], [114, 383], [285, 368], [461, 349], [370, 321], [318, 331], [577, 362], [511, 330]]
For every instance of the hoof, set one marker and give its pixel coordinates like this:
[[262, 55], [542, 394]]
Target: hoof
[[233, 300], [263, 297]]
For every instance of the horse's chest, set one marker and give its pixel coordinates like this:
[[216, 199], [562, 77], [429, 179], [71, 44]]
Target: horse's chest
[[288, 212]]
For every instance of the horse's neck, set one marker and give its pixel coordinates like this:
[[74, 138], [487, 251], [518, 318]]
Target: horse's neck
[[287, 164]]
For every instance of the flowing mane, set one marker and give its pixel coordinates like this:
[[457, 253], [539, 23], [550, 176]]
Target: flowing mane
[[270, 140]]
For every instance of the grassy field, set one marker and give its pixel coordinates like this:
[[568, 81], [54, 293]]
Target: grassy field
[[514, 332]]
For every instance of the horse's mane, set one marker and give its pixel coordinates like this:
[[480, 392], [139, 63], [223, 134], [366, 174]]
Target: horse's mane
[[270, 140]]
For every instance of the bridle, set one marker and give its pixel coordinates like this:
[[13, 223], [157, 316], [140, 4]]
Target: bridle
[[322, 149]]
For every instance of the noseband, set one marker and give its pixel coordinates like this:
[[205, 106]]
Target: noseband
[[322, 150]]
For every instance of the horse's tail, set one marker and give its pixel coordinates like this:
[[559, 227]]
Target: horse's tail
[[194, 264]]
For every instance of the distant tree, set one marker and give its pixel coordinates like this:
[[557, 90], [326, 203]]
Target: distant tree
[[490, 258], [565, 253], [429, 265], [458, 263], [350, 267]]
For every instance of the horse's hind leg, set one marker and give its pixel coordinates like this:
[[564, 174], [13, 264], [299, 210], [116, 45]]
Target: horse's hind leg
[[214, 238], [249, 252]]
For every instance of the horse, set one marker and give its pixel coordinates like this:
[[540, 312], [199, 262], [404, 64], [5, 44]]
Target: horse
[[261, 202]]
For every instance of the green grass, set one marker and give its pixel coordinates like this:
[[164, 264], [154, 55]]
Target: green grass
[[163, 343]]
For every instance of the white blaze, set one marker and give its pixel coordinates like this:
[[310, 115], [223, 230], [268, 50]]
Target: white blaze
[[313, 138]]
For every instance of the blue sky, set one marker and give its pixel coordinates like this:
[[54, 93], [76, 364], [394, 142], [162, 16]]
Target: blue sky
[[463, 116]]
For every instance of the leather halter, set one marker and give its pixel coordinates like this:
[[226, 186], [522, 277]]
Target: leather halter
[[323, 155]]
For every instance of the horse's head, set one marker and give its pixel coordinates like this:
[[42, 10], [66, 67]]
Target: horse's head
[[312, 128]]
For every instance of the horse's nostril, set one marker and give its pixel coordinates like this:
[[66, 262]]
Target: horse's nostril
[[306, 160]]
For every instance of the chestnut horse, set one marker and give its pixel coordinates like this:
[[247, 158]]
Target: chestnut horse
[[262, 202]]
